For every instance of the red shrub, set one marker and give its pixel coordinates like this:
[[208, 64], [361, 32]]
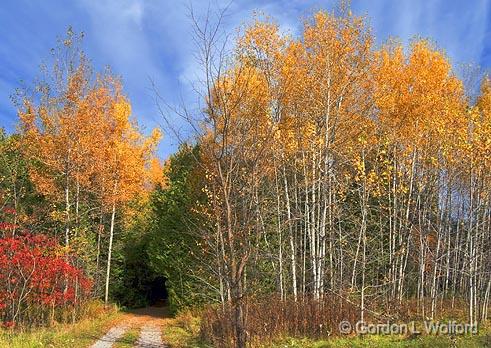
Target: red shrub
[[36, 276]]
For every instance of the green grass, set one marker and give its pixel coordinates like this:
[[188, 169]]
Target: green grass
[[79, 335], [478, 341], [183, 332], [128, 340]]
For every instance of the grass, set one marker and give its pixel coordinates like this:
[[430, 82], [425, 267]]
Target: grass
[[80, 334], [393, 341], [183, 332], [129, 339]]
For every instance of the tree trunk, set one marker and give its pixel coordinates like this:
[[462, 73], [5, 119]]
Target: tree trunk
[[109, 254]]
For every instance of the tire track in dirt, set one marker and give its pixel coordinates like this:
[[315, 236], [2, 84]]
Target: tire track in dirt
[[110, 337], [150, 337], [150, 321]]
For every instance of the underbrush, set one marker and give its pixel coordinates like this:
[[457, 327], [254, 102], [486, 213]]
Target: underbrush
[[95, 322], [312, 323], [270, 318], [185, 331]]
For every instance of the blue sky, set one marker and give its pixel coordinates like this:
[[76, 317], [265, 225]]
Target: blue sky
[[145, 40]]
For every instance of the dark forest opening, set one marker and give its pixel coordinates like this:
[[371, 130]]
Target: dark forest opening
[[137, 284], [158, 294]]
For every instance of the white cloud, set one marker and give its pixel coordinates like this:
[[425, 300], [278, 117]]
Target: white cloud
[[134, 12], [458, 27]]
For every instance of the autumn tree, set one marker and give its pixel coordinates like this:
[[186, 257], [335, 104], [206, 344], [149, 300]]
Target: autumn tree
[[56, 131], [337, 169], [127, 159], [86, 153]]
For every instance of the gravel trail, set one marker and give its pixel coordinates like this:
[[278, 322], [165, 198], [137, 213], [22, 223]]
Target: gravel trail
[[110, 337], [150, 337], [149, 320]]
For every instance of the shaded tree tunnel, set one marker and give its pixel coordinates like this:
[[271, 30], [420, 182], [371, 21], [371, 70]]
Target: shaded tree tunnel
[[140, 288], [135, 283], [157, 294]]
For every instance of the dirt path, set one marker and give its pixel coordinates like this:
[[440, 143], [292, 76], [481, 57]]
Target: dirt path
[[148, 320]]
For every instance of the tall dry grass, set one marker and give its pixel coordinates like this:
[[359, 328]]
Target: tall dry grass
[[268, 319]]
